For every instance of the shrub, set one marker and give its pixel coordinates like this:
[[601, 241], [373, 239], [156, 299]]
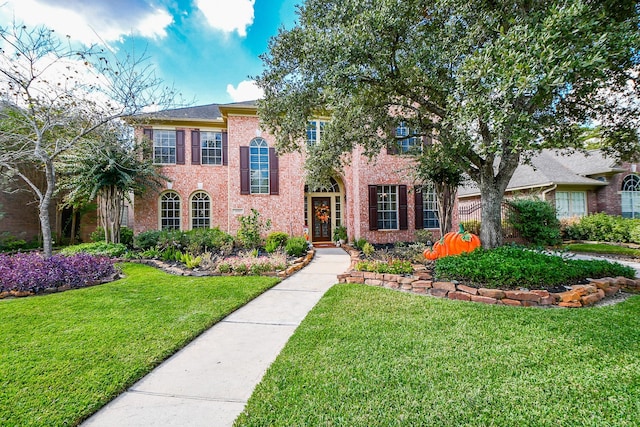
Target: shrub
[[126, 236], [391, 267], [147, 239], [205, 240], [340, 233], [535, 220], [368, 249], [296, 246], [424, 236], [30, 272], [275, 241], [251, 229], [515, 267], [97, 235], [9, 242], [634, 233], [472, 226], [603, 228], [103, 248], [359, 243]]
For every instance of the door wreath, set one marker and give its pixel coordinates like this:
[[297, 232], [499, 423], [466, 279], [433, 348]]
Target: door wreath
[[322, 212]]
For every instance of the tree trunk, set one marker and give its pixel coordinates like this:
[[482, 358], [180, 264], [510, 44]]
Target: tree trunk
[[44, 207], [74, 213], [110, 208], [446, 196]]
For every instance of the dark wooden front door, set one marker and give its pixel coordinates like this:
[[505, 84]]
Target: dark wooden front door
[[321, 219]]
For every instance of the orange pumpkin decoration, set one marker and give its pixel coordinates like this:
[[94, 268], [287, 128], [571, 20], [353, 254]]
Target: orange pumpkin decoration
[[459, 242], [431, 253]]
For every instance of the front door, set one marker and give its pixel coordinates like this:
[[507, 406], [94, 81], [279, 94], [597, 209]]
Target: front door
[[321, 219]]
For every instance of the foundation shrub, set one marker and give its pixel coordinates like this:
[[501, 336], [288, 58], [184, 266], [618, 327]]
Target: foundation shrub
[[276, 240], [208, 240], [147, 240], [535, 220], [296, 246], [101, 248], [603, 228], [513, 267]]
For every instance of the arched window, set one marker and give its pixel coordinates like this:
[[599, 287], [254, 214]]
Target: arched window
[[630, 194], [200, 210], [170, 211], [259, 166]]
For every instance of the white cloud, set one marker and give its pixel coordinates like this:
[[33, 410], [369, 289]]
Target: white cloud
[[91, 21], [247, 90], [228, 15]]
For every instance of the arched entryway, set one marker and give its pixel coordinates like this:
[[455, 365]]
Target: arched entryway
[[323, 210]]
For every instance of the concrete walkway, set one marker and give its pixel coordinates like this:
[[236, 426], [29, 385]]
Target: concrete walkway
[[209, 381]]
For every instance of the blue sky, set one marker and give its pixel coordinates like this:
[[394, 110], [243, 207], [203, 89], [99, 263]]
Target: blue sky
[[208, 49]]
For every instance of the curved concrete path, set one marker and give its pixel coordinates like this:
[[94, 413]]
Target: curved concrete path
[[208, 382]]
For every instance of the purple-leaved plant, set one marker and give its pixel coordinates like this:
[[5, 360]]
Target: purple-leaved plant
[[31, 272]]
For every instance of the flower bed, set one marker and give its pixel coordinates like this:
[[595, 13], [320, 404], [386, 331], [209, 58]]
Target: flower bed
[[27, 274]]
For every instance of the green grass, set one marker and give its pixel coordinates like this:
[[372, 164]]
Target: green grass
[[603, 248], [65, 355], [368, 356]]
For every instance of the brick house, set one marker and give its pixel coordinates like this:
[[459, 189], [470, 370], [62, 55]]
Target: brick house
[[221, 165], [578, 184]]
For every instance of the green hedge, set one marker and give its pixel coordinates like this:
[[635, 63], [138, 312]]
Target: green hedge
[[604, 228], [512, 267]]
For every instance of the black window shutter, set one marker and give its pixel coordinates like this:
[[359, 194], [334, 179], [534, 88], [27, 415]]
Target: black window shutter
[[225, 148], [419, 207], [180, 147], [244, 171], [373, 207], [195, 147], [402, 207], [274, 176], [148, 132]]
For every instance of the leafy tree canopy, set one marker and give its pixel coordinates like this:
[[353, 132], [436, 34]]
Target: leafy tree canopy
[[493, 81]]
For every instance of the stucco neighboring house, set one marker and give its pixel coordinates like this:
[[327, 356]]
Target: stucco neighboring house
[[577, 184], [221, 165]]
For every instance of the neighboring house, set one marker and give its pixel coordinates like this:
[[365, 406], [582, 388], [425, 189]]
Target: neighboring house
[[577, 184], [221, 165]]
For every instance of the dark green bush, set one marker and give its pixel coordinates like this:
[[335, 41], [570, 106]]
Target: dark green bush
[[147, 239], [251, 229], [126, 236], [513, 267], [359, 243], [9, 242], [97, 235], [208, 240], [535, 220], [296, 246], [275, 241]]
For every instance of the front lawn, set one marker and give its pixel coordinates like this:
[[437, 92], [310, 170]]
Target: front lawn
[[367, 356], [604, 248], [63, 356]]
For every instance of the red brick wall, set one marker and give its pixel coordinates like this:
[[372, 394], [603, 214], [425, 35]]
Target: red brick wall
[[20, 218]]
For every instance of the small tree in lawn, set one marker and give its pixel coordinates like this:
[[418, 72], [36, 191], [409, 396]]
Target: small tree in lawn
[[54, 95], [495, 82], [108, 167]]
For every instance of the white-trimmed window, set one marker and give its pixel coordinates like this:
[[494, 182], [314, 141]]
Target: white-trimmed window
[[407, 142], [200, 210], [630, 196], [430, 217], [211, 143], [259, 166], [571, 203], [170, 211], [164, 147], [387, 207], [315, 128]]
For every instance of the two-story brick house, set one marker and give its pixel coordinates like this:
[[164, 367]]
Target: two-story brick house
[[222, 165]]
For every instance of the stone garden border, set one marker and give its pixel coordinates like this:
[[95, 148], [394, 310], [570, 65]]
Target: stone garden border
[[421, 282]]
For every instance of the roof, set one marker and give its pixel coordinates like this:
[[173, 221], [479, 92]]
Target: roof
[[208, 112], [552, 167]]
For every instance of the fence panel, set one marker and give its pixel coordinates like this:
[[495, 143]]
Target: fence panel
[[470, 216]]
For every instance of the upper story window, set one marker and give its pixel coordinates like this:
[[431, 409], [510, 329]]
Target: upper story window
[[571, 203], [170, 211], [630, 196], [211, 145], [315, 128], [259, 166], [164, 147], [406, 139]]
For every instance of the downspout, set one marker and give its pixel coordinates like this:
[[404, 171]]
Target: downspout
[[548, 190]]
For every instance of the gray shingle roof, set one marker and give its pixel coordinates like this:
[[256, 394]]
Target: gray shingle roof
[[553, 167]]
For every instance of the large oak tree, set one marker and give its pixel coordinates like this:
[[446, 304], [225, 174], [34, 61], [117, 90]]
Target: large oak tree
[[492, 81]]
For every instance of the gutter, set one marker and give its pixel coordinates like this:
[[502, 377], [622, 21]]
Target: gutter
[[544, 193]]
